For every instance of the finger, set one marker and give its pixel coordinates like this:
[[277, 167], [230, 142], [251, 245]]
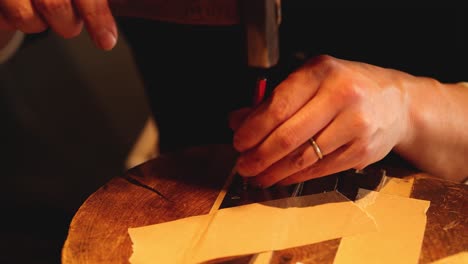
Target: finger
[[344, 158], [99, 22], [4, 25], [300, 127], [21, 15], [237, 117], [287, 98], [60, 16], [346, 127], [299, 159]]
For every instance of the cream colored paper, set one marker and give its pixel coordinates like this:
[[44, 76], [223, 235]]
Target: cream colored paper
[[459, 258], [262, 258], [401, 223], [248, 229], [397, 186]]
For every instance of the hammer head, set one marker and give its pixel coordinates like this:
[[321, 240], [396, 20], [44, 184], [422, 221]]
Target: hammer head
[[261, 19]]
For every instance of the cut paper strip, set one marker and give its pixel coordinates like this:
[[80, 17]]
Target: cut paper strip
[[459, 258], [401, 223], [249, 229], [262, 258], [397, 186]]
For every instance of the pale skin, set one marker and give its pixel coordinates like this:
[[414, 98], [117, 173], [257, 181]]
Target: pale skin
[[357, 113], [67, 17]]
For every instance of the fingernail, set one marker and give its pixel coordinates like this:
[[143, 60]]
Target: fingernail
[[106, 40]]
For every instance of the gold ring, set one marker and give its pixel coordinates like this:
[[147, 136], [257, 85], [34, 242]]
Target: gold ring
[[316, 148]]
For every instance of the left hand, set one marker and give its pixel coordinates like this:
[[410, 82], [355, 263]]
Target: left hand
[[355, 112], [65, 17]]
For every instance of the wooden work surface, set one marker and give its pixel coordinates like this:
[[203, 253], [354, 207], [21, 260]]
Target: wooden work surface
[[192, 179]]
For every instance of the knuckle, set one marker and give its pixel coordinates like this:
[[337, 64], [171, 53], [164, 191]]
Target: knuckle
[[26, 20], [326, 60], [320, 66], [19, 16], [94, 13], [279, 109], [242, 138], [364, 151], [295, 76], [363, 125], [51, 6], [323, 59], [314, 170], [286, 142], [89, 15], [361, 122], [298, 160], [258, 165], [287, 139], [356, 92], [251, 166], [350, 92]]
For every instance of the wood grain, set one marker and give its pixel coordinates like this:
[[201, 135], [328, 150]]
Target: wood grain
[[447, 218], [192, 179]]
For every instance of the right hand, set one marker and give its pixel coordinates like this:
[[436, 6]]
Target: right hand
[[65, 17], [356, 112]]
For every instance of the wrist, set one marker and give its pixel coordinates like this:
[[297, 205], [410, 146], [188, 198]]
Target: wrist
[[419, 97], [405, 84], [425, 96]]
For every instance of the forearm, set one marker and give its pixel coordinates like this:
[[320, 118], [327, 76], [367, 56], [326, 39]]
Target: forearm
[[437, 128], [202, 12]]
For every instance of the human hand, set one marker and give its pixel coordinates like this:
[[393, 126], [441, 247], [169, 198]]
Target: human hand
[[355, 112], [65, 17]]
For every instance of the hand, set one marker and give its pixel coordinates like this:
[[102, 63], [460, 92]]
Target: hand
[[355, 112], [65, 17]]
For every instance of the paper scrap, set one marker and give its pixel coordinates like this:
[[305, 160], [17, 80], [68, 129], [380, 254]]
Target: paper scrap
[[401, 223], [459, 258], [262, 258], [248, 229], [397, 186]]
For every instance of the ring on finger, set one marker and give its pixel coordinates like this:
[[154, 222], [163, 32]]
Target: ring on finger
[[316, 148]]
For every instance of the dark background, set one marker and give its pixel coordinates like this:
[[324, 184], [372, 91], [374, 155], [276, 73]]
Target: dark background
[[70, 113]]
